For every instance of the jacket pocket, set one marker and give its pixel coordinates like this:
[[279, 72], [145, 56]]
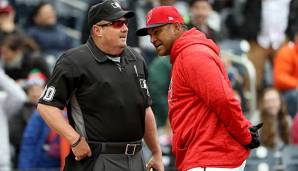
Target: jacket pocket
[[184, 139], [181, 147], [180, 155]]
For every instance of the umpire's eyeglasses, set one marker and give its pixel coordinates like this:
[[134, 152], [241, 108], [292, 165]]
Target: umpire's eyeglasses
[[115, 24]]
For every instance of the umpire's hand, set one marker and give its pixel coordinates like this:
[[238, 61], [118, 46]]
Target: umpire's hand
[[81, 150], [255, 140], [155, 163]]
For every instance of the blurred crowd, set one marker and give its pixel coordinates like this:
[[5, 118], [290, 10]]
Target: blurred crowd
[[33, 35]]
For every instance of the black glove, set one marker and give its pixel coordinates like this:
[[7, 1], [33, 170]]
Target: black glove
[[255, 141]]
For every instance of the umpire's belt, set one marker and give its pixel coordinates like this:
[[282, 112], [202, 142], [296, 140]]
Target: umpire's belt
[[128, 149]]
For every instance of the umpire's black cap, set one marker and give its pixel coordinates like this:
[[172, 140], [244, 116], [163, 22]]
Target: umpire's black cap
[[109, 10]]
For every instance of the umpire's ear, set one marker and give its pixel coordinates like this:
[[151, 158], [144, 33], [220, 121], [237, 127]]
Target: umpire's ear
[[96, 31]]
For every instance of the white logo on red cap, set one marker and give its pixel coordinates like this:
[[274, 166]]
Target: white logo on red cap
[[149, 15], [115, 5], [170, 18]]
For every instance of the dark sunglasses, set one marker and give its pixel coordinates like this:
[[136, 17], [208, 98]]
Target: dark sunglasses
[[115, 24]]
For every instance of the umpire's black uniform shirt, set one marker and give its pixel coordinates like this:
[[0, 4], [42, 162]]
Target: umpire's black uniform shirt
[[105, 102]]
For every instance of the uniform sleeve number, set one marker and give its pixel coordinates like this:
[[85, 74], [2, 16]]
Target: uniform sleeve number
[[49, 93]]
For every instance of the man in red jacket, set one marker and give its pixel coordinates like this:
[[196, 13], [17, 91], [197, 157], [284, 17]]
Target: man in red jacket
[[209, 128]]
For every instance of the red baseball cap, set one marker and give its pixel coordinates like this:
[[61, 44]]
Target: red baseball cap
[[159, 16], [5, 7]]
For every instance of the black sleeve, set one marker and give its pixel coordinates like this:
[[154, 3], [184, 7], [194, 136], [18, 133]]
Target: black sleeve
[[61, 84]]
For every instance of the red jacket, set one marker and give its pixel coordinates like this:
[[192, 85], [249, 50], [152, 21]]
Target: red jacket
[[209, 129], [286, 68]]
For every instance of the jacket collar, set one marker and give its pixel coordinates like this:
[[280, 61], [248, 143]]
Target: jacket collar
[[101, 57], [96, 52]]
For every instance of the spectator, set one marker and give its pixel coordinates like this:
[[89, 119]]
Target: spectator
[[40, 147], [277, 122], [231, 15], [264, 27], [49, 35], [7, 24], [17, 123], [18, 62], [201, 13], [286, 73], [12, 98]]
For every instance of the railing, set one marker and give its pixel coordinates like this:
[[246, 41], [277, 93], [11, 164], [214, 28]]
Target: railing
[[76, 9], [247, 64], [76, 4]]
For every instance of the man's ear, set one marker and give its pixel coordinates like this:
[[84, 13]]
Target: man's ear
[[177, 28], [97, 31]]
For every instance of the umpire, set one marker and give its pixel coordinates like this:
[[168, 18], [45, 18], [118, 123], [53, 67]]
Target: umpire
[[103, 85]]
